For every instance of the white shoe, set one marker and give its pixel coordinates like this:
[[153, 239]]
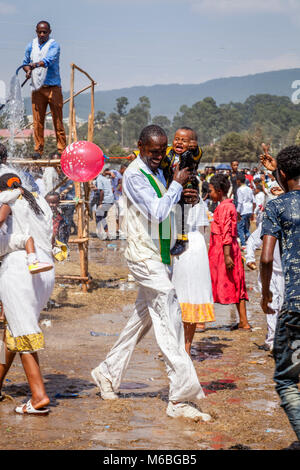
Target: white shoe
[[104, 385], [111, 236], [186, 411]]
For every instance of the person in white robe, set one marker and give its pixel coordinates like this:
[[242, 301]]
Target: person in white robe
[[24, 296], [254, 242], [148, 207]]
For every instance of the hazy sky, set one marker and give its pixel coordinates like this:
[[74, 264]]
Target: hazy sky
[[123, 43]]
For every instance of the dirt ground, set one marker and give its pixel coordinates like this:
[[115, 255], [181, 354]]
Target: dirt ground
[[80, 329]]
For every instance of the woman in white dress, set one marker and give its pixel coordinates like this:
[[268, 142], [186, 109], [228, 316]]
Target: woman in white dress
[[24, 295], [191, 276]]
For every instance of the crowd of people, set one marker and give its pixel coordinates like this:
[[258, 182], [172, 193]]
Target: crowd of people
[[162, 207], [163, 204]]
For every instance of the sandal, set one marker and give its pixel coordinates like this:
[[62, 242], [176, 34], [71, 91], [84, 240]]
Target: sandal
[[236, 327], [30, 410]]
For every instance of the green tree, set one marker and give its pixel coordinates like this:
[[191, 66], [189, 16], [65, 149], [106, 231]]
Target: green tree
[[106, 137], [100, 119], [116, 150], [204, 117], [121, 105], [165, 123], [235, 146]]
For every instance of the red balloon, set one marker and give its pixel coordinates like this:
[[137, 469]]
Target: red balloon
[[82, 161]]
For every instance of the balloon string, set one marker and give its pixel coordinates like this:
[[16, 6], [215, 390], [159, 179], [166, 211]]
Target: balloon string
[[119, 157]]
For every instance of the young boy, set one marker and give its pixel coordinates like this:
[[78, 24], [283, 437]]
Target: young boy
[[185, 139], [60, 225], [282, 222], [245, 208]]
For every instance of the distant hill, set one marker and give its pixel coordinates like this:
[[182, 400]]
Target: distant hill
[[167, 99]]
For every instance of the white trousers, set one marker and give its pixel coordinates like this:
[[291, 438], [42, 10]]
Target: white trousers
[[156, 305], [271, 324], [277, 289]]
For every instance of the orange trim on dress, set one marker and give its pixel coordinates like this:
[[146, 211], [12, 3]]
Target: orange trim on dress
[[197, 313]]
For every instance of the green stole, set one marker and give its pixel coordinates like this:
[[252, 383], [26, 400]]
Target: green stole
[[164, 226]]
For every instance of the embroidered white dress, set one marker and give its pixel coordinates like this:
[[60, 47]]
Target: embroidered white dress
[[191, 274]]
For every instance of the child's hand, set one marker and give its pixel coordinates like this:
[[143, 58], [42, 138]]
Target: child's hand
[[277, 191], [252, 266], [190, 196], [181, 176], [193, 144], [229, 262]]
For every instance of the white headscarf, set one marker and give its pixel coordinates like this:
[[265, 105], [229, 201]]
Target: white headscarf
[[38, 75]]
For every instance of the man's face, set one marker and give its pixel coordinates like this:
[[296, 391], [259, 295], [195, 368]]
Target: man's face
[[153, 151], [43, 32], [181, 141], [234, 166]]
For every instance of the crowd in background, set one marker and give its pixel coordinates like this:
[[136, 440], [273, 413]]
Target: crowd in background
[[255, 185], [250, 189]]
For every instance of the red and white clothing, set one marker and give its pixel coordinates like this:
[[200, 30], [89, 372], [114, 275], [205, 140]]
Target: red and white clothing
[[156, 304], [228, 286]]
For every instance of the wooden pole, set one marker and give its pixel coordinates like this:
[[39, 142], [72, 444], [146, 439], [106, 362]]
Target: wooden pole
[[71, 106], [65, 102], [86, 186], [74, 126], [35, 162], [71, 277], [84, 72], [79, 207]]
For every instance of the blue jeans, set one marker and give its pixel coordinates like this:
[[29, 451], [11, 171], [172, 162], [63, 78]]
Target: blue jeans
[[243, 228], [287, 366]]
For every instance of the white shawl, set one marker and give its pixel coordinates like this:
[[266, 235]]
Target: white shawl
[[38, 75]]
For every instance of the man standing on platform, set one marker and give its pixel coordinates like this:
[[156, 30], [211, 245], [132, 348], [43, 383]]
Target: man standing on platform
[[41, 64]]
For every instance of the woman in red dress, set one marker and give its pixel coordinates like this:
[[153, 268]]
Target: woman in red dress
[[225, 259]]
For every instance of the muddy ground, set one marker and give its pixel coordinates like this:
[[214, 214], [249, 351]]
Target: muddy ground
[[80, 329]]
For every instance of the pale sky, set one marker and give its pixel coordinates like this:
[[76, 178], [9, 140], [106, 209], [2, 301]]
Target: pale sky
[[123, 43]]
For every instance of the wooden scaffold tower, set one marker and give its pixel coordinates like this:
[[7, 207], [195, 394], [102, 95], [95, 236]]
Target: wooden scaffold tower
[[82, 190]]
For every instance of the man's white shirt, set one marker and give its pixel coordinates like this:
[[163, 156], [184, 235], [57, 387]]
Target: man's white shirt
[[144, 197]]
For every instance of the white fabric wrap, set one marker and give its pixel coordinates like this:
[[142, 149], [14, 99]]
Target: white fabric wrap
[[38, 75], [142, 234]]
